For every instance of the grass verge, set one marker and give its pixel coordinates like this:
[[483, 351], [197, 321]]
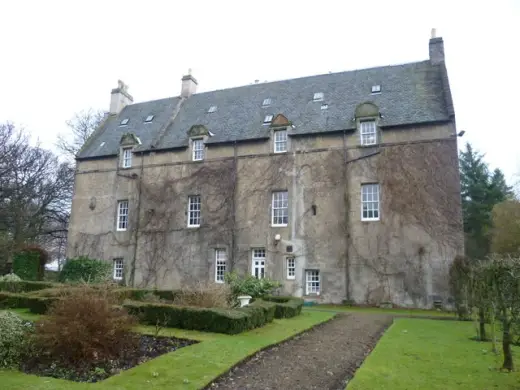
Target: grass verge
[[427, 354], [191, 367], [395, 312]]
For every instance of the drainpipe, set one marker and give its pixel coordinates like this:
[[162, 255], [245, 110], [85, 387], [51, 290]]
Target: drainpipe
[[233, 207], [347, 227], [137, 224]]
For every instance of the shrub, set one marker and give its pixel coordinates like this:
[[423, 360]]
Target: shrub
[[460, 285], [286, 307], [29, 263], [12, 339], [36, 305], [10, 278], [204, 294], [83, 269], [204, 319], [24, 286], [250, 285], [85, 327]]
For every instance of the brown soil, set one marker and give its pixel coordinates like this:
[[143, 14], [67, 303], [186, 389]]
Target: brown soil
[[325, 357]]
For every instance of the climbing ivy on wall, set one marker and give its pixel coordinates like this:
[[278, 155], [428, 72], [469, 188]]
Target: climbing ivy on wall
[[26, 265], [84, 269]]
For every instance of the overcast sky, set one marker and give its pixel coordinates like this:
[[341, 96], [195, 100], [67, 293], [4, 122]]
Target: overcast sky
[[60, 57]]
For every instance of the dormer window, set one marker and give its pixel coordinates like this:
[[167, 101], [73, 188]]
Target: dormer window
[[268, 119], [197, 146], [376, 89], [368, 132], [212, 109], [266, 102], [280, 141], [124, 122], [126, 161], [318, 96], [148, 119]]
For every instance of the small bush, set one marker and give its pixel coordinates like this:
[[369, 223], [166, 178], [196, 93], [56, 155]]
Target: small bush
[[24, 286], [29, 263], [12, 339], [86, 270], [286, 307], [250, 285], [85, 327], [204, 294], [36, 305], [10, 278]]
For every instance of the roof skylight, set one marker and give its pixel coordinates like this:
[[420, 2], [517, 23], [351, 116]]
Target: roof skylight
[[212, 109], [318, 96], [124, 122], [268, 119], [149, 118], [376, 88], [266, 102], [324, 106]]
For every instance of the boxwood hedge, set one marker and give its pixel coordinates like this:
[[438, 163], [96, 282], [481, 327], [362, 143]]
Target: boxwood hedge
[[286, 307]]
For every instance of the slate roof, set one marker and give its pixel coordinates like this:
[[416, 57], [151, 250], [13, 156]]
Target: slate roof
[[411, 94]]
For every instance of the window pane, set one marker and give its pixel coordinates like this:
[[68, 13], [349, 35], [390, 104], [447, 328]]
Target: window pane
[[198, 149], [122, 215], [220, 264], [370, 201], [194, 210], [280, 208], [258, 267]]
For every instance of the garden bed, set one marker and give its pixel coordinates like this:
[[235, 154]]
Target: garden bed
[[149, 347]]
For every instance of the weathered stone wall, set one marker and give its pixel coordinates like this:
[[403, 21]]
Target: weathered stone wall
[[402, 258]]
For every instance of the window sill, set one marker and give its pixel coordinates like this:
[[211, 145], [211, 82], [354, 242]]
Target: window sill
[[193, 226], [292, 278], [118, 279], [370, 219], [121, 230], [283, 225], [219, 281], [280, 152]]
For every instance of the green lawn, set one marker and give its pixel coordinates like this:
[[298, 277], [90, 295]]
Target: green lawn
[[429, 354], [396, 312], [191, 367]]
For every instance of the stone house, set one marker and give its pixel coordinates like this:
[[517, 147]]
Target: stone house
[[344, 186]]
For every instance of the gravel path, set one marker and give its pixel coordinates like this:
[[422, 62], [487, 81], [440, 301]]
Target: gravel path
[[323, 358]]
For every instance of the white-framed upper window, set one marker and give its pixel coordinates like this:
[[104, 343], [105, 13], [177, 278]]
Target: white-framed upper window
[[368, 132], [118, 268], [127, 158], [122, 215], [318, 96], [124, 122], [212, 109], [280, 141], [258, 266], [266, 102], [280, 208], [197, 146], [291, 267], [220, 265], [149, 118], [376, 88], [194, 211], [312, 282], [370, 202], [268, 119]]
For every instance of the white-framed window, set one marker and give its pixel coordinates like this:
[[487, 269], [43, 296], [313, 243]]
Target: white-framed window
[[258, 266], [268, 119], [266, 102], [280, 141], [194, 211], [280, 208], [291, 267], [118, 268], [370, 202], [212, 109], [312, 282], [376, 88], [127, 158], [149, 118], [122, 215], [197, 146], [368, 132], [318, 96], [220, 265]]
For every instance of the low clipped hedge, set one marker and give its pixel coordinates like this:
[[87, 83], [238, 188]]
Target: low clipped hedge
[[25, 286], [286, 307], [36, 305], [208, 320]]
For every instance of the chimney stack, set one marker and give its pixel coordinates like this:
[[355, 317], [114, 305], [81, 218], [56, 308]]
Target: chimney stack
[[436, 48], [189, 85], [120, 98]]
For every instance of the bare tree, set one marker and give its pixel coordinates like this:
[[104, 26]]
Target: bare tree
[[35, 193], [81, 126]]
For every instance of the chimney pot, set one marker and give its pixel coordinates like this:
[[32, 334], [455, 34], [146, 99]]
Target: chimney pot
[[436, 48], [120, 98], [189, 85]]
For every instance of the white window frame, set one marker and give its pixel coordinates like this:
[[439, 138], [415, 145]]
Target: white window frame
[[266, 102], [312, 285], [149, 119], [280, 208], [280, 141], [370, 202], [194, 211], [197, 146], [376, 88], [118, 268], [220, 265], [126, 161], [258, 257], [290, 265], [122, 215], [268, 119], [368, 132]]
